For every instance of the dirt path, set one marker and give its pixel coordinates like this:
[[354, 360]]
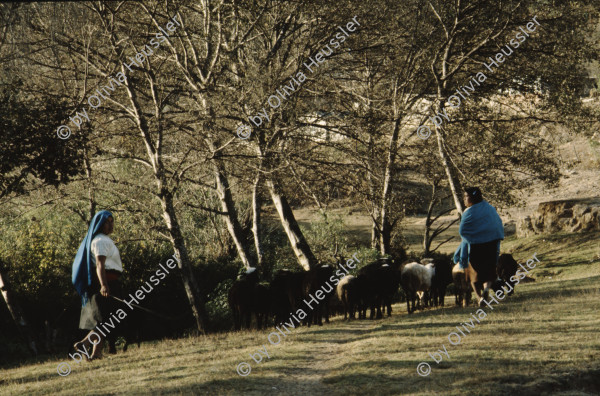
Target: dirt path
[[331, 347]]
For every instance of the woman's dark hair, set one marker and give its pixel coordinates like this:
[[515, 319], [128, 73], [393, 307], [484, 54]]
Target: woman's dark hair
[[475, 194]]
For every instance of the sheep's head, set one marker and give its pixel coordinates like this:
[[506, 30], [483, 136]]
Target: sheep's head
[[250, 274], [497, 285]]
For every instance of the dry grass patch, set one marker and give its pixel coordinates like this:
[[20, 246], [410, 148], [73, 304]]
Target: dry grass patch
[[541, 340]]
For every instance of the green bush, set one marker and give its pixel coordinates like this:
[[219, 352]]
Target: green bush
[[39, 255], [217, 307], [365, 255], [324, 234]]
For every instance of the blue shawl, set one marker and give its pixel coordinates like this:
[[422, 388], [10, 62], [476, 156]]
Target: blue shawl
[[83, 267], [479, 224]]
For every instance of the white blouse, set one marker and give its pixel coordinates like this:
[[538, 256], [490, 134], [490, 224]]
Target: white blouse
[[102, 245]]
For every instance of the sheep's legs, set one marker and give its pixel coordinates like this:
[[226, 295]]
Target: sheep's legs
[[441, 296], [415, 302], [486, 289], [258, 320], [388, 303], [237, 323], [378, 302], [248, 316]]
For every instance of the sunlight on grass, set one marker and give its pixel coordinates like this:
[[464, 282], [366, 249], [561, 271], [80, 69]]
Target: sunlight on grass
[[543, 339]]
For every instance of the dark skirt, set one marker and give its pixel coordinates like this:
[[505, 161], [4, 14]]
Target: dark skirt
[[483, 258], [98, 308]]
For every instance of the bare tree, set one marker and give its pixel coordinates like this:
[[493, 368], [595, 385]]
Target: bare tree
[[141, 108], [27, 151], [468, 36]]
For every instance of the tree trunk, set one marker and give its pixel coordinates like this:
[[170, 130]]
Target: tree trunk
[[385, 237], [453, 183], [189, 280], [375, 238], [442, 85], [299, 245], [154, 152], [426, 241], [15, 310], [428, 222], [90, 185], [228, 206], [375, 215], [256, 224], [386, 191]]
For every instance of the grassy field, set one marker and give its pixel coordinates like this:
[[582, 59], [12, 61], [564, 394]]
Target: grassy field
[[542, 340]]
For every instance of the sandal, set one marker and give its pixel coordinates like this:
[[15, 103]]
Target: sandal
[[99, 356], [77, 345]]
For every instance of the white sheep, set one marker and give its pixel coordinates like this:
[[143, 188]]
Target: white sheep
[[416, 280]]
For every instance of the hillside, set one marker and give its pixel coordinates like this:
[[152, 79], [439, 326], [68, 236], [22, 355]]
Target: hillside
[[539, 341], [169, 169], [580, 178]]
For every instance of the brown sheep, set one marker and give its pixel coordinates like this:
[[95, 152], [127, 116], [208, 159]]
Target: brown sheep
[[462, 287], [347, 294]]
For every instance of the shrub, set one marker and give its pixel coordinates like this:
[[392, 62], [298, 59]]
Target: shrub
[[217, 307]]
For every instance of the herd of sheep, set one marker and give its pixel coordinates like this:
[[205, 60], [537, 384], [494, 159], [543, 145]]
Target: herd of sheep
[[373, 287]]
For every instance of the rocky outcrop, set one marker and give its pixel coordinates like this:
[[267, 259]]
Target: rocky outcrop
[[572, 215]]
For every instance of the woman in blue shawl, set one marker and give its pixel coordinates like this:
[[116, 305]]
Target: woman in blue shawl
[[481, 231], [96, 271]]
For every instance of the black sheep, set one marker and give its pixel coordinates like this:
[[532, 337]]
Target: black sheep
[[507, 267], [130, 329], [241, 298], [377, 283], [440, 280], [261, 305], [315, 280], [286, 293]]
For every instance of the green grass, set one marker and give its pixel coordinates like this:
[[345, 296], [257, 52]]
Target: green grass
[[542, 340]]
